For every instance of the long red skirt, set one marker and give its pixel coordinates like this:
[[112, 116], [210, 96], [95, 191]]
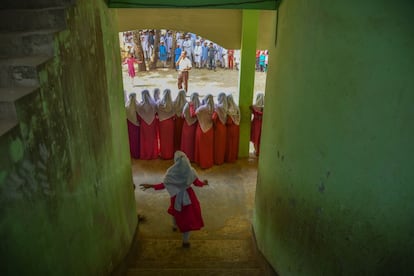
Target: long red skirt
[[148, 141], [255, 133], [188, 140], [133, 136], [203, 150], [166, 128], [178, 129], [220, 136], [233, 137], [189, 218]]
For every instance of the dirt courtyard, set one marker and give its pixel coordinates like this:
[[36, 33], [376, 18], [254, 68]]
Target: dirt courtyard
[[203, 81]]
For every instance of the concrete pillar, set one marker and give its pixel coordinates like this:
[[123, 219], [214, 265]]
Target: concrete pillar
[[250, 20]]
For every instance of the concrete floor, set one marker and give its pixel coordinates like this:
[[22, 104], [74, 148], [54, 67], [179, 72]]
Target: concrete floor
[[226, 204], [225, 246]]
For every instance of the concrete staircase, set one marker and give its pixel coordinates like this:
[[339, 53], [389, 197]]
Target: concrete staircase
[[27, 30], [209, 257]]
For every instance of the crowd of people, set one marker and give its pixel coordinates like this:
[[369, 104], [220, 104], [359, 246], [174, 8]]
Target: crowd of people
[[202, 52]]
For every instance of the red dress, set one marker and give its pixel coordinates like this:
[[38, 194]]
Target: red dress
[[230, 56], [188, 140], [203, 145], [166, 129], [203, 150], [256, 129], [157, 131], [189, 218], [232, 141], [133, 136], [220, 136], [179, 122], [131, 68], [148, 140]]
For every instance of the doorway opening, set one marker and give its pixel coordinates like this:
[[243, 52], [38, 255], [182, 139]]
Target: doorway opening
[[151, 72]]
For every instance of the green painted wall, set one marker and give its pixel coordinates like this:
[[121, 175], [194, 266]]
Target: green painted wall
[[335, 179], [66, 199], [246, 76]]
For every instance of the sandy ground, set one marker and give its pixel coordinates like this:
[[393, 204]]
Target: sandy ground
[[203, 81]]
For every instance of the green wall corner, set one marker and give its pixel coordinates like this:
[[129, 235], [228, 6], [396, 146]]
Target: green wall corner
[[334, 191]]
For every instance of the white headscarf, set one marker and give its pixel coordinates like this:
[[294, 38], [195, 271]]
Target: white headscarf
[[131, 108], [156, 95], [233, 110], [179, 103], [221, 108], [259, 104], [165, 106], [146, 108], [186, 111], [178, 178], [205, 112]]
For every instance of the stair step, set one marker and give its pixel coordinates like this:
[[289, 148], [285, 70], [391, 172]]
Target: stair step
[[195, 272], [8, 97], [21, 71], [31, 4], [30, 43], [32, 19], [11, 94], [224, 254], [7, 111], [6, 125]]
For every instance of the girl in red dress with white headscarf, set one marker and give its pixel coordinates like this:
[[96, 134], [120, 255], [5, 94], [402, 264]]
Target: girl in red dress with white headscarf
[[190, 127], [256, 124], [220, 130], [179, 104], [133, 125], [204, 140], [233, 130], [166, 116], [184, 205], [148, 134]]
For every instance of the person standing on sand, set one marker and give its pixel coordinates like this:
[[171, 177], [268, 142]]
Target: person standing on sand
[[163, 54], [211, 57], [131, 60], [184, 65]]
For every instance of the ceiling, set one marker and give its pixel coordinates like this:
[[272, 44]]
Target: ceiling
[[223, 26], [207, 4]]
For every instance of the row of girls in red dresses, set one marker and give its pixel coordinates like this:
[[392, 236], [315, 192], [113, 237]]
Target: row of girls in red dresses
[[208, 133], [217, 133]]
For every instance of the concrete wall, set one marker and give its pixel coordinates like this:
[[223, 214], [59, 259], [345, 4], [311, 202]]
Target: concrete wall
[[220, 26], [335, 181], [66, 199]]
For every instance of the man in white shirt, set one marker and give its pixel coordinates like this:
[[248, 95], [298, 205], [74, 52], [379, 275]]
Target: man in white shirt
[[197, 54], [184, 65], [188, 47]]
